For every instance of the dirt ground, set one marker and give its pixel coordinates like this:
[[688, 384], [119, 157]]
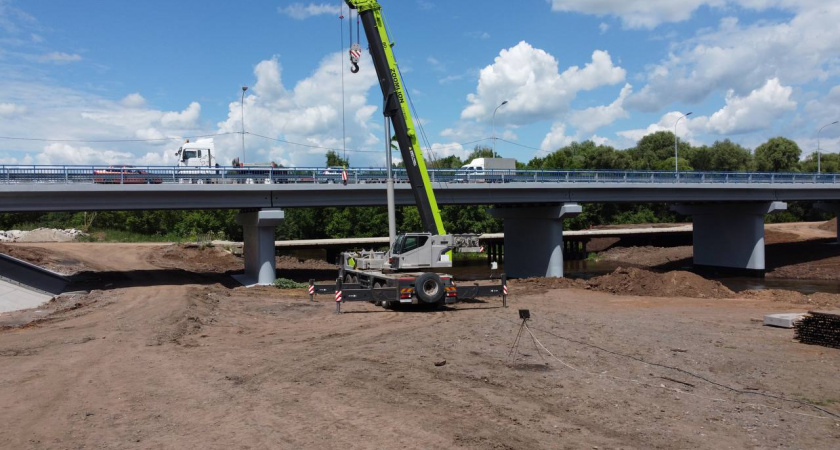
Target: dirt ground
[[804, 250], [168, 353]]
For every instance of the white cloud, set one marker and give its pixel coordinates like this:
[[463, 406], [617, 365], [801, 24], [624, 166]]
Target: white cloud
[[134, 100], [300, 11], [556, 138], [187, 118], [308, 113], [754, 112], [65, 114], [59, 58], [824, 109], [650, 13], [604, 27], [685, 128], [734, 56], [442, 150], [59, 153], [530, 80], [636, 13], [590, 119], [483, 35], [11, 109]]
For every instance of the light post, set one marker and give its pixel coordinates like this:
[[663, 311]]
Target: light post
[[493, 122], [676, 141], [818, 143], [242, 107]]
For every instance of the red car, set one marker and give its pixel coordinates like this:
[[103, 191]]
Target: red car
[[124, 175]]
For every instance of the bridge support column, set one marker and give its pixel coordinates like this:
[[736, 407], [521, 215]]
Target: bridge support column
[[730, 236], [534, 239], [832, 208], [258, 245]]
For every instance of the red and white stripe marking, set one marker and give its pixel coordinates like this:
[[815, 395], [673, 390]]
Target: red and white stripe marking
[[504, 289], [338, 296], [344, 176], [311, 289]]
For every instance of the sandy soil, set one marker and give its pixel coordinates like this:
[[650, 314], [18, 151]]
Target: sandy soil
[[170, 355], [804, 250]]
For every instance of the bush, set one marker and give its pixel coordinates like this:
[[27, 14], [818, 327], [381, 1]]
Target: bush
[[285, 283]]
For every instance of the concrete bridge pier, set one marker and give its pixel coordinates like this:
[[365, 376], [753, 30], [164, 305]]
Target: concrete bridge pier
[[730, 236], [832, 208], [534, 239], [258, 245]]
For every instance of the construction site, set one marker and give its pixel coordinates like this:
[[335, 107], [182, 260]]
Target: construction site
[[708, 317], [166, 348]]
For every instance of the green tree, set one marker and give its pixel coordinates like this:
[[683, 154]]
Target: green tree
[[700, 158], [334, 160], [778, 154], [668, 164], [449, 162], [481, 152], [829, 163], [728, 156], [655, 148]]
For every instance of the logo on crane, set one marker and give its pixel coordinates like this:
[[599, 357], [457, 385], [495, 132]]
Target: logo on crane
[[397, 86]]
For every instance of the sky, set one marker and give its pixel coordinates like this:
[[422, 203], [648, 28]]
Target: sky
[[118, 82]]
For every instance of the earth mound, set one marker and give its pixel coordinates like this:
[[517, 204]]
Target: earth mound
[[831, 225], [634, 281], [48, 259], [195, 258]]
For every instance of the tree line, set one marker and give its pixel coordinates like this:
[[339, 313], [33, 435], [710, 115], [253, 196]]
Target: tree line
[[653, 152]]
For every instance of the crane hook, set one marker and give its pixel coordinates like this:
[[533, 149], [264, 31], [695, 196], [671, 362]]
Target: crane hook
[[355, 54]]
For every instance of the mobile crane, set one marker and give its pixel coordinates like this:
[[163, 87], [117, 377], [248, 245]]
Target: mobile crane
[[396, 275]]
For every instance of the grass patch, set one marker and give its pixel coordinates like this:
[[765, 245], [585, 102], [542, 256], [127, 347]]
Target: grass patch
[[127, 236], [285, 283], [823, 402], [456, 256]]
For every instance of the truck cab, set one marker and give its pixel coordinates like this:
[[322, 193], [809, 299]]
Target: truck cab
[[200, 153]]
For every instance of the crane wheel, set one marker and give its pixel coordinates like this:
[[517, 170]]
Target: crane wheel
[[429, 288]]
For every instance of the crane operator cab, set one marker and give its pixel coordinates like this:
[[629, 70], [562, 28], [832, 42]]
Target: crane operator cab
[[420, 250]]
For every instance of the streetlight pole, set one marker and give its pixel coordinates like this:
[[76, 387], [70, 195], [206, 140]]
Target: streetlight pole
[[493, 122], [818, 143], [242, 107], [676, 141]]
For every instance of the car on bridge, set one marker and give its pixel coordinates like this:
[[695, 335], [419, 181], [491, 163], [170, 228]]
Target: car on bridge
[[124, 175]]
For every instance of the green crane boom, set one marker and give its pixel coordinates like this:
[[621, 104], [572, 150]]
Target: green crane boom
[[396, 107]]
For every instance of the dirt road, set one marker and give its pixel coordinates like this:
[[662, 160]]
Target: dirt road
[[173, 358]]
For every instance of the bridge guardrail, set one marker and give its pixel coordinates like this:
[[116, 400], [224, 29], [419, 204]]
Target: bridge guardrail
[[93, 174]]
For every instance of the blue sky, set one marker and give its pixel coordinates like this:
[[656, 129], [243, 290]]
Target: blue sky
[[73, 73]]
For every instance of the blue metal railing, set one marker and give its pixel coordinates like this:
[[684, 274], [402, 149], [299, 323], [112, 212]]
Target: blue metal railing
[[32, 174]]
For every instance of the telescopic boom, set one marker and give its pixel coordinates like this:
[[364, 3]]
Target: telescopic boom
[[396, 107]]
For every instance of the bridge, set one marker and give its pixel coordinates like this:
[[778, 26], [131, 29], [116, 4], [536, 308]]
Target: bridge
[[728, 208]]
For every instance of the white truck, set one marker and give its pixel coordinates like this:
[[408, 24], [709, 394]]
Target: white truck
[[200, 153], [477, 170], [199, 159]]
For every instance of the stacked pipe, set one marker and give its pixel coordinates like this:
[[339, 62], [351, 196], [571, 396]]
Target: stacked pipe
[[819, 328]]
